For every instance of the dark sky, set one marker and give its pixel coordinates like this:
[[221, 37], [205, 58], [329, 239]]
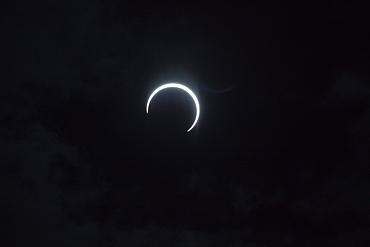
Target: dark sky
[[280, 155]]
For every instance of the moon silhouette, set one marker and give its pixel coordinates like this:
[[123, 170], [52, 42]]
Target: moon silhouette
[[176, 85]]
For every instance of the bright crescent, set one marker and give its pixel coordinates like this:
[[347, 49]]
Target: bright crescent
[[176, 85]]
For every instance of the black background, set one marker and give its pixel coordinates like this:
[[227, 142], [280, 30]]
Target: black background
[[279, 157]]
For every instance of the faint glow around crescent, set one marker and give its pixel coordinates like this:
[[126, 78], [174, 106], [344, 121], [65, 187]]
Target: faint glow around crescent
[[176, 85]]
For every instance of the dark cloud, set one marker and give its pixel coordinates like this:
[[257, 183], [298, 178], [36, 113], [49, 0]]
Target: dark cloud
[[45, 190], [280, 160]]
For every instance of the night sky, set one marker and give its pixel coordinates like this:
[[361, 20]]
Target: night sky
[[280, 155]]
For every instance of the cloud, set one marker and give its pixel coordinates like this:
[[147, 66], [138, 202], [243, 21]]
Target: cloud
[[45, 189]]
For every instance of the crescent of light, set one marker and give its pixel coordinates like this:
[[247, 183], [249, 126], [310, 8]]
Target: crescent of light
[[176, 85]]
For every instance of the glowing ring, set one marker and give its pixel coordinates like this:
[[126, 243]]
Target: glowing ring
[[176, 85]]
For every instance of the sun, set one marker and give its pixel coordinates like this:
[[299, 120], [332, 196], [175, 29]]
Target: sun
[[180, 86]]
